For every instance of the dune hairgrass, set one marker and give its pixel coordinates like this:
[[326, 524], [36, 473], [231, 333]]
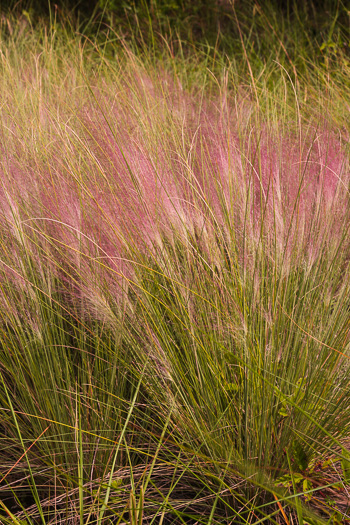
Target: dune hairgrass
[[174, 280]]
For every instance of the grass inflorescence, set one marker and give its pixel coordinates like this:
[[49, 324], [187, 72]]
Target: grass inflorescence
[[174, 277]]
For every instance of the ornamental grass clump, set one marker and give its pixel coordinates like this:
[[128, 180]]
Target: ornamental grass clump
[[174, 283]]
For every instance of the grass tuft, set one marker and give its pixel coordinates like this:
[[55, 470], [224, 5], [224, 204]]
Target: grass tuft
[[174, 281]]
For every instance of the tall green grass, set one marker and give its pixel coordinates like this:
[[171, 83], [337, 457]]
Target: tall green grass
[[174, 283]]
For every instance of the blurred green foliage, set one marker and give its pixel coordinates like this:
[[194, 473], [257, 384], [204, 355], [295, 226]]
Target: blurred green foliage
[[205, 14]]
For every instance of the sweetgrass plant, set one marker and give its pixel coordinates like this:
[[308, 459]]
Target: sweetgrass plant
[[174, 290]]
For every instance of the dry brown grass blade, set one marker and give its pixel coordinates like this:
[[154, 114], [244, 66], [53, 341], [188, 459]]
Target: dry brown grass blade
[[24, 454], [282, 510]]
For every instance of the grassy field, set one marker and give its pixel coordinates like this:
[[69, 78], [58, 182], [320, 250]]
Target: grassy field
[[174, 271]]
